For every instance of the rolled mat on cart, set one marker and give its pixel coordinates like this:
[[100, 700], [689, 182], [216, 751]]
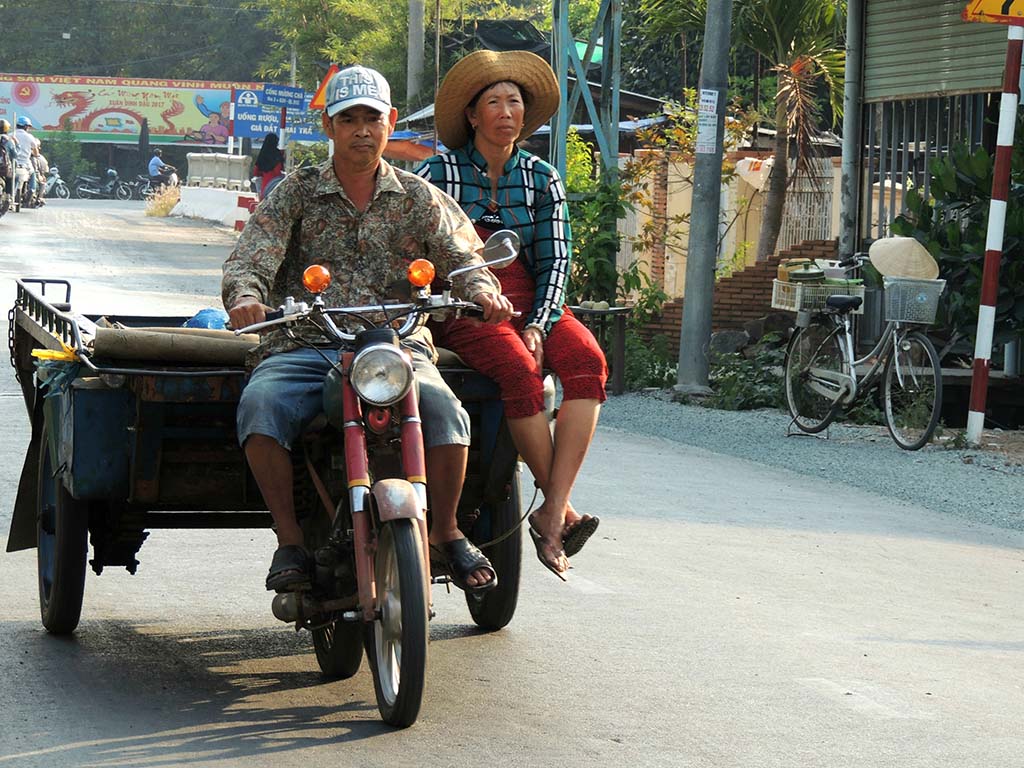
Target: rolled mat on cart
[[200, 346]]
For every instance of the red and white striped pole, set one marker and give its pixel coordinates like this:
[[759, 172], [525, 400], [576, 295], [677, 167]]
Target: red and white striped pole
[[994, 238]]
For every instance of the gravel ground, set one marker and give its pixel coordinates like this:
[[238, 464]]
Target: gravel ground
[[976, 485]]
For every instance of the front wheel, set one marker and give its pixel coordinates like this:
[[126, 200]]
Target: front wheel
[[912, 390], [60, 189], [814, 377], [396, 643], [123, 192], [62, 531]]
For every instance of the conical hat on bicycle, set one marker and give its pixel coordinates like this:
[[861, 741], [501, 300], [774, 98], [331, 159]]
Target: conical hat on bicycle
[[903, 257]]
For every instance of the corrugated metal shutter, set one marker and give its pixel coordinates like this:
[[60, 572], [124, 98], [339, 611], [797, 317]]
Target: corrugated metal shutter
[[918, 48]]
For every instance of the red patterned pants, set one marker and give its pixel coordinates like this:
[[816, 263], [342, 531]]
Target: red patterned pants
[[498, 351]]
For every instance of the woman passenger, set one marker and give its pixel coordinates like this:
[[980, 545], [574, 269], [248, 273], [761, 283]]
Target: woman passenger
[[488, 101]]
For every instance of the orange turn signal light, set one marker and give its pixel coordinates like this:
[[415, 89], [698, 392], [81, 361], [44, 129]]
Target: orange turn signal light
[[421, 273], [316, 278]]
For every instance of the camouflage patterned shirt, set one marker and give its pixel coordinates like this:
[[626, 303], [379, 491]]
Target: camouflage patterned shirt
[[308, 219]]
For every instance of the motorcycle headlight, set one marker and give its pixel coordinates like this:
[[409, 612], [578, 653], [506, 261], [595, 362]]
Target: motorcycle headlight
[[381, 374]]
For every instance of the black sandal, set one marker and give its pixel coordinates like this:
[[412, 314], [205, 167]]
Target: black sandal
[[459, 558], [289, 570], [575, 537]]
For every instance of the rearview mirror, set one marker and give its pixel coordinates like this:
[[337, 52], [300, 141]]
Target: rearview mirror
[[501, 248]]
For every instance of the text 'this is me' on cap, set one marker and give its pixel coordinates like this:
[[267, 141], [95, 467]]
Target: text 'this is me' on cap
[[354, 86]]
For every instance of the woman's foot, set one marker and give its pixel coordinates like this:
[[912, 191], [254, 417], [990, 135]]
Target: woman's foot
[[546, 532]]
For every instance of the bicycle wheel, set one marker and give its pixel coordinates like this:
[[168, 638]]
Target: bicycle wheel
[[912, 390], [814, 377]]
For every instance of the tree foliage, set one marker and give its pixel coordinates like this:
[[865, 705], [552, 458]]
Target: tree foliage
[[952, 223], [187, 39]]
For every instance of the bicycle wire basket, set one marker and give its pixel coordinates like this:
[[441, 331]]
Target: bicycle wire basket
[[793, 297], [912, 300]]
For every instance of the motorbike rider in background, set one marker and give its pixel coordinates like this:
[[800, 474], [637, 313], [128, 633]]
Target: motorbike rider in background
[[160, 173], [41, 167], [8, 162], [26, 171]]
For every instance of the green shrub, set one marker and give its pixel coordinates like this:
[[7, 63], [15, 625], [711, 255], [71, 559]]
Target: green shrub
[[649, 364], [741, 383]]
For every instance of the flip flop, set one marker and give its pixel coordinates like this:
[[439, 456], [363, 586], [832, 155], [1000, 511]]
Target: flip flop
[[538, 543], [575, 537], [289, 570], [459, 558]]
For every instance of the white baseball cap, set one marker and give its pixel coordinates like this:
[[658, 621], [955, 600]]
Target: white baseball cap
[[357, 85]]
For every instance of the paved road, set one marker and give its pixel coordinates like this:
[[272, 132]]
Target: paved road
[[728, 614]]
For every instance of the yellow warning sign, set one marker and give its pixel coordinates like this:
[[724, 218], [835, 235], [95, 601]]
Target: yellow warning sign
[[996, 11]]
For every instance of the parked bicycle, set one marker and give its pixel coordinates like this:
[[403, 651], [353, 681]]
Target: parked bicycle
[[823, 376]]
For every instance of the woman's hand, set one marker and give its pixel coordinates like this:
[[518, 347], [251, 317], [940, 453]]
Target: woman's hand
[[535, 344]]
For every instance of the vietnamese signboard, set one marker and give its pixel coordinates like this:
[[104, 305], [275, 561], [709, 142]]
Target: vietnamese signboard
[[111, 109], [255, 117], [284, 96], [997, 11]]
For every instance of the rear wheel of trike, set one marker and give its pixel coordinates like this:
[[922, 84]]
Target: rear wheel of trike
[[495, 608], [339, 649], [396, 643], [62, 532]]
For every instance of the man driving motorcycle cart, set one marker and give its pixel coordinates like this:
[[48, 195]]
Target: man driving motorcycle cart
[[365, 221]]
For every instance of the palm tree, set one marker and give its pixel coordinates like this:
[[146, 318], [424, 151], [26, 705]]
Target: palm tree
[[803, 44]]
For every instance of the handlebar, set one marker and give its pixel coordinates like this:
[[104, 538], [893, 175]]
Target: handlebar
[[413, 313]]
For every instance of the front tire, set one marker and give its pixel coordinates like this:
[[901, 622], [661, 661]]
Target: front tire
[[494, 608], [396, 643], [61, 190], [912, 391], [62, 531], [812, 369], [123, 192]]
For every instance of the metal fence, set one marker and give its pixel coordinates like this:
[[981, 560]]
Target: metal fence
[[808, 213], [901, 139]]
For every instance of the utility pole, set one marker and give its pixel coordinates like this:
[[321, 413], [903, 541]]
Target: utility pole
[[702, 254], [852, 142], [414, 62]]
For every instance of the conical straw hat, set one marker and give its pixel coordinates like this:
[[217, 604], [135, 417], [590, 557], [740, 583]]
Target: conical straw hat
[[903, 257], [480, 69]]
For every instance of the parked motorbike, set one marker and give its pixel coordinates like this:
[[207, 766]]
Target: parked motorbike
[[141, 186], [55, 185], [371, 579], [110, 188]]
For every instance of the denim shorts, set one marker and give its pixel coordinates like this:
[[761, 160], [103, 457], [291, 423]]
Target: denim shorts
[[284, 394]]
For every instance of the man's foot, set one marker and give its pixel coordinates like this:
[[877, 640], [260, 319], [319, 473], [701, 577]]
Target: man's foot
[[289, 570], [468, 567]]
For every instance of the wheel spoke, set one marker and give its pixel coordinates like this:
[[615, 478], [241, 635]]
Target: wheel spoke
[[913, 388], [814, 377]]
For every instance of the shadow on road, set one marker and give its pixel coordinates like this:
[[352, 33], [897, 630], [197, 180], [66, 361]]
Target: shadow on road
[[166, 698]]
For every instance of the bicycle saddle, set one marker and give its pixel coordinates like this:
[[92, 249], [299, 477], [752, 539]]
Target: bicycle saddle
[[843, 304]]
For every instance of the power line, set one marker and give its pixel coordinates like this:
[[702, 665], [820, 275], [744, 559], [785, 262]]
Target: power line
[[188, 5], [175, 55]]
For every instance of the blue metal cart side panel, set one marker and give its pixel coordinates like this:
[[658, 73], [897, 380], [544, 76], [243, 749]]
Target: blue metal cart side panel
[[96, 441]]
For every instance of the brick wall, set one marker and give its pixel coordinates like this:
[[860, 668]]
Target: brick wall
[[745, 296]]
